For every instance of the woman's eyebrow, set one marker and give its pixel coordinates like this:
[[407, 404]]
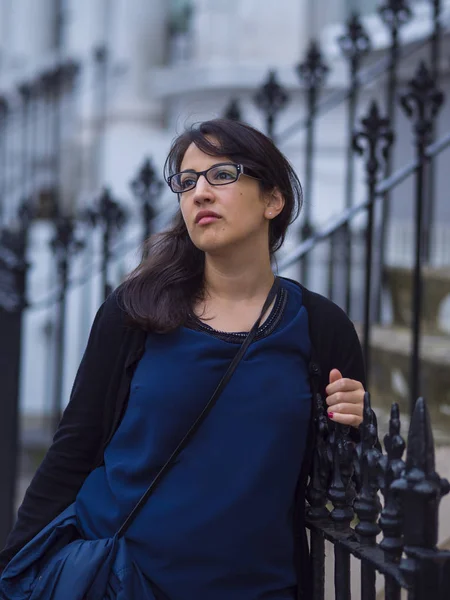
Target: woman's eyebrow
[[221, 162], [194, 171]]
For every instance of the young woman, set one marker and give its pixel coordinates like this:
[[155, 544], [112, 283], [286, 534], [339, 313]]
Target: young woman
[[226, 521]]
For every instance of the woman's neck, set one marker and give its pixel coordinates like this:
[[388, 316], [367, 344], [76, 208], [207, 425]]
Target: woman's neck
[[241, 281]]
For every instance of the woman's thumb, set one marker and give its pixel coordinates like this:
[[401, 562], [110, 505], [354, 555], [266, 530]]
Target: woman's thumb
[[335, 374]]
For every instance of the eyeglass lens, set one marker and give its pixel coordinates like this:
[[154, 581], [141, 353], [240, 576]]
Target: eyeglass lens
[[217, 175]]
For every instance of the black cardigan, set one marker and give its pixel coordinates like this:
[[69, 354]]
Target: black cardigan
[[99, 398]]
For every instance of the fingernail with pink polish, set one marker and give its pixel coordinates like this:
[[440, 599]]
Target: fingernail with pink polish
[[330, 415]]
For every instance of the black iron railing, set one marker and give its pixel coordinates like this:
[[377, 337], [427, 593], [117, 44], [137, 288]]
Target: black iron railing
[[343, 490], [72, 234], [377, 190], [355, 44], [13, 271]]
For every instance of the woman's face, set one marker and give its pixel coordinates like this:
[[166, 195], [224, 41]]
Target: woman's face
[[242, 210]]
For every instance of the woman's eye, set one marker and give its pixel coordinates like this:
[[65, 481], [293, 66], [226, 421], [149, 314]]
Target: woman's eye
[[223, 175], [187, 183]]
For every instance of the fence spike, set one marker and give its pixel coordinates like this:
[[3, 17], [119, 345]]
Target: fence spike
[[316, 492], [342, 491], [420, 454], [233, 110], [420, 488], [271, 98], [110, 213], [65, 243], [422, 103], [13, 269], [395, 14], [376, 138], [391, 468], [355, 42], [313, 70], [367, 504], [147, 187]]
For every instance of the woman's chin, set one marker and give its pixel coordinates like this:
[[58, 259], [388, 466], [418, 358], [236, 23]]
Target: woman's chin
[[213, 247]]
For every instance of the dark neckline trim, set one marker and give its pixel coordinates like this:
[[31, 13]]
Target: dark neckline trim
[[238, 337]]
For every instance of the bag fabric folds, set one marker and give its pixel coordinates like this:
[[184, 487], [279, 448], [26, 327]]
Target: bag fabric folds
[[58, 564]]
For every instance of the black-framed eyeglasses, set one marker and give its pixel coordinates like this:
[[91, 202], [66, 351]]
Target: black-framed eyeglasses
[[220, 174]]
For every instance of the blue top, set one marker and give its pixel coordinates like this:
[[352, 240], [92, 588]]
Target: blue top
[[220, 525]]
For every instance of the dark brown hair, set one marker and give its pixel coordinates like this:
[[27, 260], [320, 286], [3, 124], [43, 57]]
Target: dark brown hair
[[160, 293]]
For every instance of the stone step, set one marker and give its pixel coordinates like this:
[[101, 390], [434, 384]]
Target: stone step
[[435, 293], [435, 348], [390, 374]]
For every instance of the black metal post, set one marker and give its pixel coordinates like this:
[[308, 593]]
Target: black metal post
[[391, 468], [13, 270], [25, 91], [34, 137], [147, 187], [65, 245], [233, 110], [312, 73], [341, 493], [391, 521], [420, 490], [57, 84], [271, 99], [106, 257], [49, 101], [3, 155], [316, 494], [354, 44], [101, 59], [394, 14], [367, 504], [421, 104], [428, 221], [407, 557], [317, 554], [8, 156], [71, 70], [378, 138], [331, 263], [110, 215]]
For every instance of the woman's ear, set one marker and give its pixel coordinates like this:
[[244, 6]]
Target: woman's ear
[[274, 203]]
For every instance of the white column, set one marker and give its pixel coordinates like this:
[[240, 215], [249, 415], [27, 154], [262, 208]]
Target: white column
[[250, 31], [86, 26], [30, 32], [216, 31], [4, 29], [138, 42]]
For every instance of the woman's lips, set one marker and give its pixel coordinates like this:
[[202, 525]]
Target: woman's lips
[[207, 220]]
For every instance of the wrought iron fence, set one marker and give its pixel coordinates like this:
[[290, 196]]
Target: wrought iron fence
[[350, 478], [346, 477]]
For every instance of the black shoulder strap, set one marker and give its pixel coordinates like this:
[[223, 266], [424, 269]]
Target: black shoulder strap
[[202, 416], [316, 366]]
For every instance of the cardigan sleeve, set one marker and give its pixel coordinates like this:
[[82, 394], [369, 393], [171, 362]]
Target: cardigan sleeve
[[78, 438], [334, 339], [335, 342], [346, 352]]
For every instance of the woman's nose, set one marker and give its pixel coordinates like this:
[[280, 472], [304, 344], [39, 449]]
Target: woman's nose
[[203, 190]]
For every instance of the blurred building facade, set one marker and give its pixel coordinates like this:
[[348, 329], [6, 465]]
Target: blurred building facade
[[90, 88]]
